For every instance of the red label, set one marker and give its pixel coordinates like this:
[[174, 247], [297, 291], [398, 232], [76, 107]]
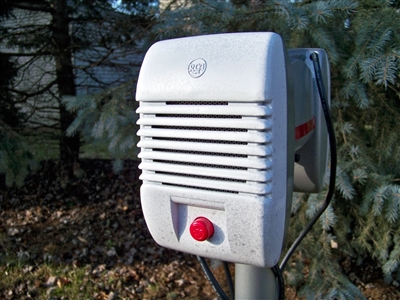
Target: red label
[[304, 129]]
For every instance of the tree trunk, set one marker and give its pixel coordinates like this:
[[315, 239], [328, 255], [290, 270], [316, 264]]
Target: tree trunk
[[69, 146]]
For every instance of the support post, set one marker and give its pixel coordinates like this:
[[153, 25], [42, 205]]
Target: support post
[[254, 283]]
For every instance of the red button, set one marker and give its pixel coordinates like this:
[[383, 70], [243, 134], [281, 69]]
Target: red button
[[201, 229]]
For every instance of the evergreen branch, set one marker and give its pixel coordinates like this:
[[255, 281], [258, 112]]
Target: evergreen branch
[[347, 6], [379, 198], [298, 200], [320, 11], [369, 66], [382, 68], [393, 207], [325, 41], [360, 54], [328, 219], [377, 45], [360, 176], [343, 185], [299, 22], [357, 91], [261, 11], [387, 73], [373, 39]]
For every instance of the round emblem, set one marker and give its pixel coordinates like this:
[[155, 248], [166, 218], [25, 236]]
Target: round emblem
[[197, 67]]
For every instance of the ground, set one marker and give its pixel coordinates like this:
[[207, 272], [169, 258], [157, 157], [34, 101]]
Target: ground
[[86, 239]]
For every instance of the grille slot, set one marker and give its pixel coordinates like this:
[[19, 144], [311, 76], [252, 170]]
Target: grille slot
[[202, 188], [203, 177], [216, 145], [193, 157], [201, 153], [198, 116], [201, 141], [197, 103], [199, 128], [199, 165], [206, 172]]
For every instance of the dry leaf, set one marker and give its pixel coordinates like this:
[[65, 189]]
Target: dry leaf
[[63, 281]]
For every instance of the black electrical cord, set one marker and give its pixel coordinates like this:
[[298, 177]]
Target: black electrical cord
[[281, 282], [210, 276], [332, 143], [229, 279], [218, 289]]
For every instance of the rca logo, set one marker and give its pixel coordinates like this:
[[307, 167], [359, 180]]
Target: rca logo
[[197, 68]]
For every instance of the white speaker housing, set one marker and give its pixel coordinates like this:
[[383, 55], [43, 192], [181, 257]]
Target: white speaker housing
[[217, 141]]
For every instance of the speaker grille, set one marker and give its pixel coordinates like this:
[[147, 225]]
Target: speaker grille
[[213, 145]]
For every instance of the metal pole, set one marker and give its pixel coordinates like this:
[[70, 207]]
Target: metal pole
[[253, 283]]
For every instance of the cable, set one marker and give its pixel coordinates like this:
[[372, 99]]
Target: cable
[[332, 143], [281, 282], [229, 279], [210, 276], [218, 289]]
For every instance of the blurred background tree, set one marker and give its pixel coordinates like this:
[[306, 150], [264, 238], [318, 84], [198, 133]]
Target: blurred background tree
[[15, 158], [63, 48]]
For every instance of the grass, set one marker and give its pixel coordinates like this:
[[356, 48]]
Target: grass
[[46, 281], [22, 278]]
